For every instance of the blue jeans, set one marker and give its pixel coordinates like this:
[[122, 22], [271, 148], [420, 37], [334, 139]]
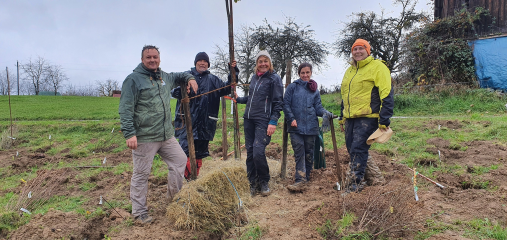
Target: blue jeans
[[303, 153], [357, 131], [256, 140]]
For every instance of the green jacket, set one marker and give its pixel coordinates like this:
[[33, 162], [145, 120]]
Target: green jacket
[[366, 91], [145, 108]]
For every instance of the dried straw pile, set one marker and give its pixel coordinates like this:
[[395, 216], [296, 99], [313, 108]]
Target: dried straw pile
[[211, 203]]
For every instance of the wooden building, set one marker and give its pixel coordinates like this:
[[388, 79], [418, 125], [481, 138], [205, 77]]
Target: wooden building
[[497, 8]]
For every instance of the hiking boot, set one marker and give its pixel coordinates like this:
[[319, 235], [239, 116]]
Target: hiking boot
[[265, 189], [296, 187], [253, 191], [255, 188], [353, 187], [143, 219], [350, 189]]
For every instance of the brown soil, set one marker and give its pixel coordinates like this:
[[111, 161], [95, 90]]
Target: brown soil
[[286, 215], [450, 124], [274, 151]]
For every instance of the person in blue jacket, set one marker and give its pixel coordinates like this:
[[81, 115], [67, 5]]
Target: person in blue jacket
[[263, 105], [301, 107], [204, 110]]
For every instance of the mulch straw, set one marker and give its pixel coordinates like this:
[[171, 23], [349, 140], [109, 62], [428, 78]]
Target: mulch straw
[[211, 202]]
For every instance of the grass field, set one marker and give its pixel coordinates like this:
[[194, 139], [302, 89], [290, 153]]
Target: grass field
[[57, 116]]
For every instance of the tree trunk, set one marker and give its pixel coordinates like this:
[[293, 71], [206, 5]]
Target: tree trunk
[[224, 129], [283, 170], [237, 144]]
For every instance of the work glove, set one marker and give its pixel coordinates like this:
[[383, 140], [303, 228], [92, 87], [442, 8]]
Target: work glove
[[325, 121]]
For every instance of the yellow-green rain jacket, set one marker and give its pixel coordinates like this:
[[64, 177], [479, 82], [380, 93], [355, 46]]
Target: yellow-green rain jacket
[[366, 92]]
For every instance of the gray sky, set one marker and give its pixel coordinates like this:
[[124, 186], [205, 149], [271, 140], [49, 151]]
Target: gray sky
[[97, 40]]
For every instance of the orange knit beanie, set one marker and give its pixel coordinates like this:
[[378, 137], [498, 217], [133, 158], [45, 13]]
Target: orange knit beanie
[[364, 43]]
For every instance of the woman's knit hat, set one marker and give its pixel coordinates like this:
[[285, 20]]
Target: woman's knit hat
[[262, 53], [362, 42]]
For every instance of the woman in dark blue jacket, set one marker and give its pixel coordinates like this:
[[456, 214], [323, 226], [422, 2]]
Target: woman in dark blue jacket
[[301, 107], [263, 105]]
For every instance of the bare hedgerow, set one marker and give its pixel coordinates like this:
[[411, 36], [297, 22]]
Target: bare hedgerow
[[388, 210]]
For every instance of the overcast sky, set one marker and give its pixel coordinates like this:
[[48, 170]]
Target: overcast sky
[[98, 40]]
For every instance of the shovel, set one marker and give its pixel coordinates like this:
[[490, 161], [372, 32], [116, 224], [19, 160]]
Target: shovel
[[335, 150]]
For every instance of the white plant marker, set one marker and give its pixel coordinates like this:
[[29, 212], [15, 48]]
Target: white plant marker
[[30, 194], [49, 136], [17, 153], [439, 127], [112, 130], [105, 159], [100, 202], [26, 211], [440, 160]]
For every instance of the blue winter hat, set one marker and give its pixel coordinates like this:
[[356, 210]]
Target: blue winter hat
[[202, 56]]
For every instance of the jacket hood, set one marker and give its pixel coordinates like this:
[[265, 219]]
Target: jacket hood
[[300, 82], [266, 74], [195, 72], [361, 63], [140, 69]]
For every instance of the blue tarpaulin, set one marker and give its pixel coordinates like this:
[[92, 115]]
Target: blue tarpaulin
[[491, 62]]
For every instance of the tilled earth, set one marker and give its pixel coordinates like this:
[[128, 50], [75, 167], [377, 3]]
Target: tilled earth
[[283, 214]]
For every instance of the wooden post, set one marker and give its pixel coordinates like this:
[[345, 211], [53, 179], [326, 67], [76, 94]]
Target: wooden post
[[237, 142], [9, 91], [283, 170], [224, 129], [339, 172], [190, 136]]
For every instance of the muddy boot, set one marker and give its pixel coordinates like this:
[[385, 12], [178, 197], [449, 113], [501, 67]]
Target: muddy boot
[[354, 188], [254, 189], [372, 174], [265, 189], [296, 187], [143, 219]]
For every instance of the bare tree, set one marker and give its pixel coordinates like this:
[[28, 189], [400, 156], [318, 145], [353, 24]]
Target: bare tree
[[87, 91], [106, 88], [3, 83], [290, 41], [34, 72], [245, 50], [54, 78], [382, 32], [26, 88]]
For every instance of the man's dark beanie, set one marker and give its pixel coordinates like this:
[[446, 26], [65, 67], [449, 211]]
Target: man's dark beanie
[[202, 56]]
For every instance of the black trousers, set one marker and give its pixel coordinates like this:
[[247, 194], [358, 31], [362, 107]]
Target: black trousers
[[256, 140], [357, 131], [201, 146]]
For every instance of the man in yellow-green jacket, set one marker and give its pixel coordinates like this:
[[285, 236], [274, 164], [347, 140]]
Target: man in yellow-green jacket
[[367, 105]]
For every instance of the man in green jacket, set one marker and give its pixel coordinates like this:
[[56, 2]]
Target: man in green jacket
[[145, 115]]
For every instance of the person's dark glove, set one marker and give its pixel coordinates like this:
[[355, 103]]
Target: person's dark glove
[[325, 121]]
